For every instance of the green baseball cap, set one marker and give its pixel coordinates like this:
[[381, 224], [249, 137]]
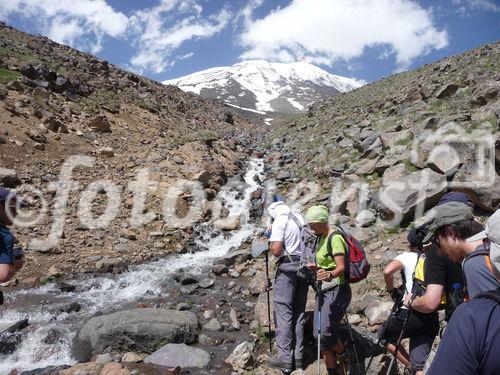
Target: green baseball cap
[[446, 214]]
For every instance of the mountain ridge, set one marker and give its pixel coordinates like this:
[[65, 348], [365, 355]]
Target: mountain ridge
[[262, 86]]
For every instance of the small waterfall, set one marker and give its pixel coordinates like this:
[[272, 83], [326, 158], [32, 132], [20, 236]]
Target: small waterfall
[[42, 305]]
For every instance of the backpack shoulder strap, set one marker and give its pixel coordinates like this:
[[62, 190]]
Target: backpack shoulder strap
[[485, 253], [287, 254], [493, 295], [475, 254], [419, 256], [292, 216], [329, 247]]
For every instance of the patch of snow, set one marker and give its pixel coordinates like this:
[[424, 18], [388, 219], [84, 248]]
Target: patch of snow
[[245, 109], [296, 104], [268, 121]]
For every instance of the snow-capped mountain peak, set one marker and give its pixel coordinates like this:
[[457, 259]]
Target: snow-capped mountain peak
[[259, 85]]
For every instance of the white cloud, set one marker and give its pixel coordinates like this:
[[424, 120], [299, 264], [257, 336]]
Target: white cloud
[[155, 32], [465, 6], [329, 30], [159, 30], [186, 56], [80, 23]]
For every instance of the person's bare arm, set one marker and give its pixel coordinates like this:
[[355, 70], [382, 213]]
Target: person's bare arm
[[389, 271], [6, 272], [276, 248], [429, 302]]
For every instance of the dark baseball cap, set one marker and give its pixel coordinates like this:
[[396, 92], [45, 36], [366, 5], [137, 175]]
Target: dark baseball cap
[[446, 214], [455, 196], [416, 236]]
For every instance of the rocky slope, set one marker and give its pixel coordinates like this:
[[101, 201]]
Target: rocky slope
[[57, 102], [381, 155], [433, 129], [349, 150], [261, 87]]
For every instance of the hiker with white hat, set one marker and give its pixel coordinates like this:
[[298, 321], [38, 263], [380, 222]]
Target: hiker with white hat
[[290, 292]]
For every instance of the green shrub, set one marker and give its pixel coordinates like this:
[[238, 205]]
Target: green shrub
[[7, 75]]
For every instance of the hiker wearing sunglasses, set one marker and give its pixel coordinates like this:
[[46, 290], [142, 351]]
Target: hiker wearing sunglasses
[[335, 290], [459, 237], [11, 261], [471, 341], [444, 280]]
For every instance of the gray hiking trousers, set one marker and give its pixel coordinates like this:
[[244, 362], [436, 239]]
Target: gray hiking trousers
[[335, 304], [290, 297]]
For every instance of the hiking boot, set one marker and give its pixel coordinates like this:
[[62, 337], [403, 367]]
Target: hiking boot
[[286, 368]]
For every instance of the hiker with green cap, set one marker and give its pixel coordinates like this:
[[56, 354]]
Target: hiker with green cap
[[336, 292], [455, 231]]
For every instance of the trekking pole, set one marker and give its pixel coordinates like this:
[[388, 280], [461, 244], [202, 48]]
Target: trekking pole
[[269, 302], [319, 295], [382, 333], [351, 336], [400, 338]]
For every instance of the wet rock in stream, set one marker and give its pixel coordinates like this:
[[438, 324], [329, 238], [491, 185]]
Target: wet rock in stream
[[137, 329]]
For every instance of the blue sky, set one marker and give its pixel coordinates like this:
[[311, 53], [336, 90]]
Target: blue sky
[[165, 39]]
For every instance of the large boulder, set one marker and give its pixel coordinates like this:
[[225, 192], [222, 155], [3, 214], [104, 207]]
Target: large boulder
[[137, 329], [444, 159], [403, 193], [179, 355], [482, 184]]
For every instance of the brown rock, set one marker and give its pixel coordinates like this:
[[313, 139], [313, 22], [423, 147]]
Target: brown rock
[[37, 136], [114, 369], [90, 368], [131, 357], [447, 91], [203, 177], [8, 178], [100, 124], [107, 151]]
